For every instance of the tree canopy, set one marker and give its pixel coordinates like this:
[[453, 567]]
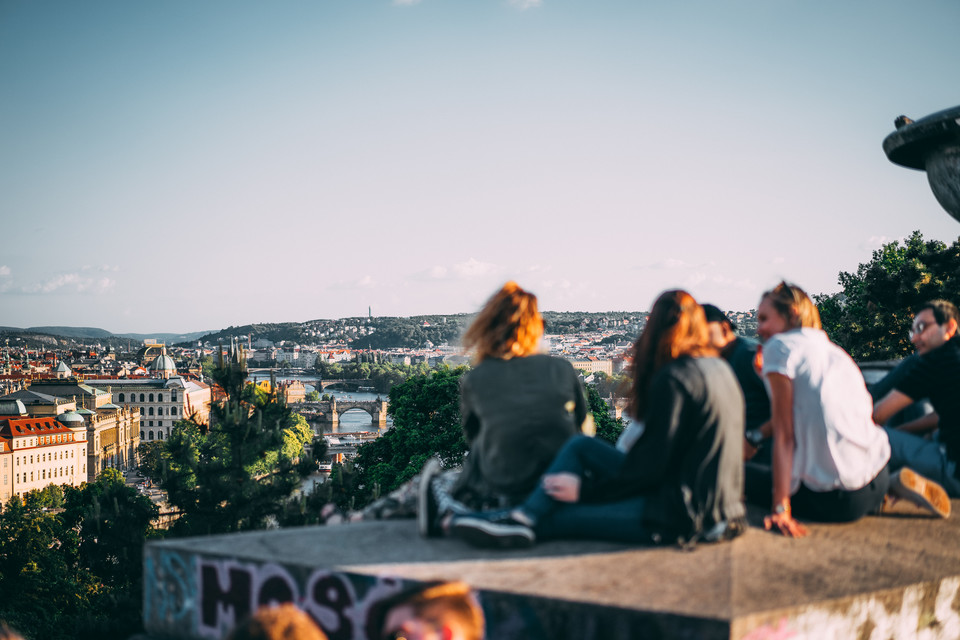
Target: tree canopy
[[239, 471], [871, 316]]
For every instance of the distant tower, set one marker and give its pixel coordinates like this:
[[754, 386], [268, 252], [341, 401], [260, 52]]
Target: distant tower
[[370, 312]]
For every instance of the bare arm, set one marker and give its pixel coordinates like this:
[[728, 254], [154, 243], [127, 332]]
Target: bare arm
[[890, 405], [781, 419], [922, 425]]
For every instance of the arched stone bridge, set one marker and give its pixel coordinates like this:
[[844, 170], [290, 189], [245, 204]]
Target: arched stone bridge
[[328, 412]]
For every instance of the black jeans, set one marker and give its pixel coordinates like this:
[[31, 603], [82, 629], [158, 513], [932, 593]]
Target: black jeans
[[838, 505]]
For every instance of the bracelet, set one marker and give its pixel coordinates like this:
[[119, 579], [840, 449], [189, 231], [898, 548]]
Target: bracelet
[[783, 507]]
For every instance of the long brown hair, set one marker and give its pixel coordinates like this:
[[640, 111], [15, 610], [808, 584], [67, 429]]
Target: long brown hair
[[508, 326], [793, 303], [676, 327]]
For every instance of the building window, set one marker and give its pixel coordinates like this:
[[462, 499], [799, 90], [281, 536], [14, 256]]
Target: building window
[[173, 396], [151, 397], [173, 411], [159, 435], [151, 434], [141, 399], [141, 435], [159, 397], [121, 397], [151, 410]]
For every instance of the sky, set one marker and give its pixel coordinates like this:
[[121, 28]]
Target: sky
[[191, 165]]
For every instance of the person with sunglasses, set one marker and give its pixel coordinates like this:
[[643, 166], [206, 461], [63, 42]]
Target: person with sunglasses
[[935, 376]]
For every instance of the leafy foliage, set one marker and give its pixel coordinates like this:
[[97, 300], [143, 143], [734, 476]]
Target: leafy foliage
[[237, 472], [76, 571], [872, 314], [608, 428], [426, 422]]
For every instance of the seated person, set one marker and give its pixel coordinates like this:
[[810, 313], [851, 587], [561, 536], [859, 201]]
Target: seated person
[[741, 353], [829, 459], [682, 481], [934, 376], [432, 611], [517, 407]]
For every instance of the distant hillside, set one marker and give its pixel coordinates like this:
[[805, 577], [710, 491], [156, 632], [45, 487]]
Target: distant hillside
[[72, 332]]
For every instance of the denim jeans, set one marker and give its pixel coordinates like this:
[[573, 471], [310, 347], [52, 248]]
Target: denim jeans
[[926, 457], [593, 459]]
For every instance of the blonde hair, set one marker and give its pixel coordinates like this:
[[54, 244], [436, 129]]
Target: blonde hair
[[508, 326], [793, 303]]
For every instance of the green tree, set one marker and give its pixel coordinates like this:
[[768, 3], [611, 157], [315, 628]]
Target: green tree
[[871, 315], [239, 471], [426, 422], [312, 396], [608, 428], [151, 458]]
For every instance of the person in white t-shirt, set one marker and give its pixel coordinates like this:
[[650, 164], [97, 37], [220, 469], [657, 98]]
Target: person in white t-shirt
[[829, 458]]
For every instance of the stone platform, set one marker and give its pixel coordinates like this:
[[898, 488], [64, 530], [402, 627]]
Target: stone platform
[[895, 576]]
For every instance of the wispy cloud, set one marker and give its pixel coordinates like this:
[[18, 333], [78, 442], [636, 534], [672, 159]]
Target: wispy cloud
[[874, 242], [405, 3], [523, 5], [71, 283], [473, 268], [467, 270], [4, 271]]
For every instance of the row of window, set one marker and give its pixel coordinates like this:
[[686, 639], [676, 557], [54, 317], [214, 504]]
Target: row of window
[[149, 411], [48, 456], [150, 434], [54, 473], [133, 397]]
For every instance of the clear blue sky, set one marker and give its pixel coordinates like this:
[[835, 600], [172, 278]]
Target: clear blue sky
[[188, 165]]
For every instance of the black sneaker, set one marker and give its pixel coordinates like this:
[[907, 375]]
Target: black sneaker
[[499, 533], [427, 502]]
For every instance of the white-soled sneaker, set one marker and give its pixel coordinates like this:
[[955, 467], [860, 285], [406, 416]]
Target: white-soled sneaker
[[925, 493], [500, 533]]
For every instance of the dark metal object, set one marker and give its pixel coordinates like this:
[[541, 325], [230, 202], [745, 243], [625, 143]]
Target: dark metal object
[[931, 144]]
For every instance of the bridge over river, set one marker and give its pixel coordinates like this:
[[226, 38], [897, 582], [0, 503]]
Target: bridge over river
[[326, 413]]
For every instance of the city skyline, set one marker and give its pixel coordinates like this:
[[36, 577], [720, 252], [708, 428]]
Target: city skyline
[[181, 166]]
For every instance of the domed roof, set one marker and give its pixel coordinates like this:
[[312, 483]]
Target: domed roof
[[70, 416], [63, 368], [83, 411], [163, 363], [12, 408], [109, 405]]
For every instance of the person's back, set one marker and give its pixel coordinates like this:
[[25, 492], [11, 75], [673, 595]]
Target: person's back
[[517, 414], [702, 458], [837, 443]]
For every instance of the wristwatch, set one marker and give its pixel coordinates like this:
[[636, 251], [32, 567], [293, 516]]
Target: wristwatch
[[754, 437]]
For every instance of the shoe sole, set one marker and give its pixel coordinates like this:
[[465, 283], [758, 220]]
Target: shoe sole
[[424, 524], [489, 535], [924, 493]]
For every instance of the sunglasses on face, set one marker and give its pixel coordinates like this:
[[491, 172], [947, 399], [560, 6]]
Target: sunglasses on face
[[919, 328]]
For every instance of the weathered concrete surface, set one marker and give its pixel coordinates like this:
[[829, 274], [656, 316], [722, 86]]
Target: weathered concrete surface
[[895, 576]]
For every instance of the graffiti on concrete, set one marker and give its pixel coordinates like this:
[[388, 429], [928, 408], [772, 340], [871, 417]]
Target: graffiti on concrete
[[204, 597]]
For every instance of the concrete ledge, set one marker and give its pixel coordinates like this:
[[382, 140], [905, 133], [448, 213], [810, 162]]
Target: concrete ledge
[[896, 576]]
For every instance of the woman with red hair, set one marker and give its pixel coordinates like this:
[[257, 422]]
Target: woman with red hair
[[518, 407], [680, 482]]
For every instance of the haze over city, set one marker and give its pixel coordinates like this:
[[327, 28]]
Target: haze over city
[[182, 166]]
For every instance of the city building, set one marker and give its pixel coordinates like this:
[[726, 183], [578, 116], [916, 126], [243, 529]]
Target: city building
[[38, 451], [161, 401]]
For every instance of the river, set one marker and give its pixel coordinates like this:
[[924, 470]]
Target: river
[[352, 421]]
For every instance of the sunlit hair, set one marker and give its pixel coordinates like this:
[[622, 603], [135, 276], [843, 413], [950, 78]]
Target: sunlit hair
[[793, 303], [676, 327], [508, 326], [943, 311]]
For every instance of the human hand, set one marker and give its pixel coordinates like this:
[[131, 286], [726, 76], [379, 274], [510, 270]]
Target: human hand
[[563, 487], [786, 524], [749, 450]]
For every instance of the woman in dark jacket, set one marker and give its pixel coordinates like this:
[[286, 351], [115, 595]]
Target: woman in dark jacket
[[518, 408], [683, 479]]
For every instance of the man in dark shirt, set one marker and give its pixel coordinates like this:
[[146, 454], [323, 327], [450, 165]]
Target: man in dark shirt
[[935, 376], [741, 353]]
